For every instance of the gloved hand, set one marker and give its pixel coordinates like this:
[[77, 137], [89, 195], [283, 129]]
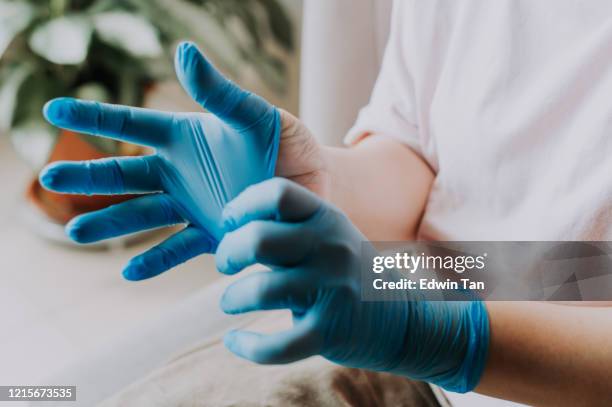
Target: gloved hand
[[314, 255], [201, 162]]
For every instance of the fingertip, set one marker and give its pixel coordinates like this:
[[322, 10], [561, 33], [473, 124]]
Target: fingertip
[[220, 265], [76, 231], [147, 265], [136, 270], [194, 72], [46, 108], [246, 345], [48, 177], [226, 303], [183, 51], [223, 303], [224, 267], [231, 343], [129, 275], [228, 219], [184, 45], [57, 111]]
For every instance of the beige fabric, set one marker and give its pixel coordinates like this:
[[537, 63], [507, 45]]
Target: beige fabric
[[210, 376]]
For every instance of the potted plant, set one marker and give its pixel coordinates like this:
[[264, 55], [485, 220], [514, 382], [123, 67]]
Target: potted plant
[[114, 51]]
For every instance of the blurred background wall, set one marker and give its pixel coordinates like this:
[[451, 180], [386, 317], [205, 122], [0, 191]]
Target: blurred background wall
[[341, 49]]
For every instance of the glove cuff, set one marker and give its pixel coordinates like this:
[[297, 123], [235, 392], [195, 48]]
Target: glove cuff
[[476, 325]]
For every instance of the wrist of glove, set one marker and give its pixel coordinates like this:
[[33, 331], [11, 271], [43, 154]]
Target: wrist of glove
[[451, 354], [313, 253]]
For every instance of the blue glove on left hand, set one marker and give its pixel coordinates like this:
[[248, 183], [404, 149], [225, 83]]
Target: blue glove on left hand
[[201, 162], [315, 255]]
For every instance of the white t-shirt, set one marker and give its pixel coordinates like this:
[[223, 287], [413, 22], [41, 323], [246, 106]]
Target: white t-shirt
[[510, 103]]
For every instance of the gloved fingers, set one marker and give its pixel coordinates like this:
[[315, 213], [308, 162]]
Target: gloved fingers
[[134, 125], [214, 92], [135, 215], [268, 290], [276, 198], [288, 346], [267, 242], [107, 176], [178, 248]]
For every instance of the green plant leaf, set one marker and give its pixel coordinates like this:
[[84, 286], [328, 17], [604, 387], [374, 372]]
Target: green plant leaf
[[93, 91], [10, 83], [280, 23], [32, 95], [204, 26], [14, 17], [251, 24], [271, 69], [129, 32], [33, 141], [217, 43], [63, 40]]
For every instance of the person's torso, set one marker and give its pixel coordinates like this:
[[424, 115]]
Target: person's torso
[[514, 104]]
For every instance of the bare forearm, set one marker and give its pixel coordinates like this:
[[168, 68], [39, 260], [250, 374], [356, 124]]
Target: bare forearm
[[546, 354], [542, 354], [381, 185]]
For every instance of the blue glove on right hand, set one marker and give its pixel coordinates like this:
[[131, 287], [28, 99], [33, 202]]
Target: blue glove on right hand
[[201, 162], [314, 253]]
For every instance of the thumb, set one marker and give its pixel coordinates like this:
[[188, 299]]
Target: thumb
[[214, 92]]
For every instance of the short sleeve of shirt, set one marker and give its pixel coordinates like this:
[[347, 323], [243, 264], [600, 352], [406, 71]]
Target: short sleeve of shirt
[[391, 110]]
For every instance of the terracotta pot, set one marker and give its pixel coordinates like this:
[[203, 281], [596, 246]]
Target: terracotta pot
[[63, 207]]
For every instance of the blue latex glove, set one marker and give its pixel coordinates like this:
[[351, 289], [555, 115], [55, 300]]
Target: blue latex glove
[[314, 255], [201, 161]]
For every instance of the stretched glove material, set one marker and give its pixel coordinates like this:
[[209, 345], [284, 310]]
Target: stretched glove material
[[201, 161]]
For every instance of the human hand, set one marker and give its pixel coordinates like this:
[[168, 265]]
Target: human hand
[[314, 254], [201, 161]]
